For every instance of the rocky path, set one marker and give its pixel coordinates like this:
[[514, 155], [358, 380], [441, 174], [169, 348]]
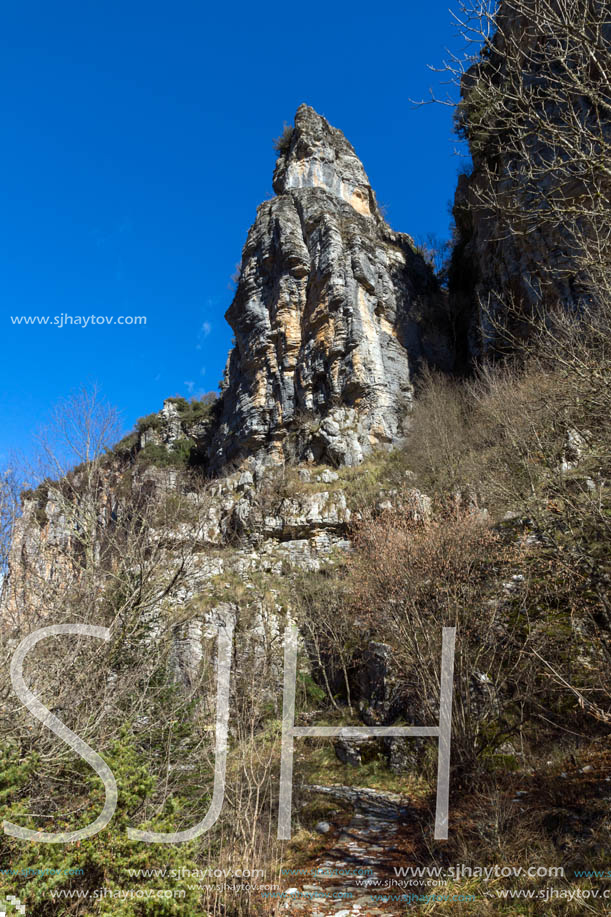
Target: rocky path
[[356, 876]]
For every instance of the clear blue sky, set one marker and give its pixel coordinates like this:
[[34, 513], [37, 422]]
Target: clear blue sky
[[137, 146]]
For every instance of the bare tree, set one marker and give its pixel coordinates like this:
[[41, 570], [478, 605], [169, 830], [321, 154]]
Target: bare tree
[[82, 427]]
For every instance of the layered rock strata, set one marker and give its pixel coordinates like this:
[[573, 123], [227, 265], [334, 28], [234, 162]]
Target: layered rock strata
[[332, 314]]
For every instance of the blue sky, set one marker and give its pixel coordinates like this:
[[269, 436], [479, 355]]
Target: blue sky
[[137, 146]]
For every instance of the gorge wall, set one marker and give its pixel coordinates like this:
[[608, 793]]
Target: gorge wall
[[532, 214]]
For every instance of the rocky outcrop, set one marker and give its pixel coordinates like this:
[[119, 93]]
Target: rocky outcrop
[[56, 542], [332, 314], [274, 526]]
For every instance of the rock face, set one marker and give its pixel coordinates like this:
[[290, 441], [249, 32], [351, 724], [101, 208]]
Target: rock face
[[532, 217], [332, 314]]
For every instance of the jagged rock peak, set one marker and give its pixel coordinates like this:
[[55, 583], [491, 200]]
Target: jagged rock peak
[[332, 314], [318, 155]]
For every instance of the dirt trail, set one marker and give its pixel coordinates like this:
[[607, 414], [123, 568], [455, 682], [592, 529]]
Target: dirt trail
[[356, 876]]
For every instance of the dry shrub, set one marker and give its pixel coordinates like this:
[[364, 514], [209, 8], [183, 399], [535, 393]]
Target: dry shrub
[[534, 438], [496, 436], [404, 581], [408, 580]]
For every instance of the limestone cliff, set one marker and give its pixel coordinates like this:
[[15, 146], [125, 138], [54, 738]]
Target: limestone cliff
[[332, 313]]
